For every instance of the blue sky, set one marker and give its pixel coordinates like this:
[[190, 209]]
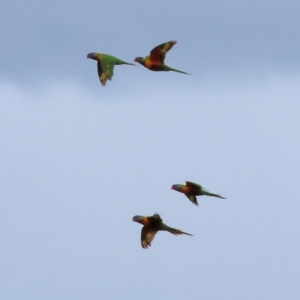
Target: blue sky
[[78, 161]]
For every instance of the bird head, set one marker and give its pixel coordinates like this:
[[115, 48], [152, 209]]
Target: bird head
[[92, 55], [140, 60], [176, 187], [138, 219]]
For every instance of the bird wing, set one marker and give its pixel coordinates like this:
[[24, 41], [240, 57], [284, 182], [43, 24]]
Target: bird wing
[[147, 236], [192, 184], [156, 217], [158, 53], [193, 199], [105, 70], [203, 191]]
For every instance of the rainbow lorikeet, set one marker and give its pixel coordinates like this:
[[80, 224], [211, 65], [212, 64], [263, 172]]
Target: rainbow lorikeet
[[152, 224], [191, 190], [106, 65], [155, 61]]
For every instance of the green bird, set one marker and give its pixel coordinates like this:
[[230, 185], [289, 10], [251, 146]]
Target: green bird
[[106, 65], [155, 61], [153, 224], [191, 190]]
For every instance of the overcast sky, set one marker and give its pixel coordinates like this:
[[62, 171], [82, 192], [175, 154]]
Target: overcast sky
[[79, 160]]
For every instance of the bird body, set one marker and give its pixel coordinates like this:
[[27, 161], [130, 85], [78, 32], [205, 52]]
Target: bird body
[[105, 65], [191, 190], [153, 224], [155, 61]]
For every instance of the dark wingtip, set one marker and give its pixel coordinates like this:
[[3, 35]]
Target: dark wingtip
[[195, 203]]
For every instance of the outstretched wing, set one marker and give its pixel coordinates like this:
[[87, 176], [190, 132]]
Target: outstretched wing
[[158, 53], [105, 70], [147, 236]]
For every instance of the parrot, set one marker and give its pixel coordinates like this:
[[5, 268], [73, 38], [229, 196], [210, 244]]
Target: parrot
[[106, 65], [191, 190], [155, 61], [152, 224]]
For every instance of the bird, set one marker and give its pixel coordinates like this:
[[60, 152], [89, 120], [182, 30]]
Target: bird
[[191, 190], [106, 65], [155, 61], [153, 224]]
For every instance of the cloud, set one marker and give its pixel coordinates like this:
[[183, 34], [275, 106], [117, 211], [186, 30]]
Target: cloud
[[212, 37], [79, 162]]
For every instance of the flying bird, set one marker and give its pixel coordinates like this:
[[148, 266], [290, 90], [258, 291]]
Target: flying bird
[[155, 61], [191, 190], [106, 65], [152, 224]]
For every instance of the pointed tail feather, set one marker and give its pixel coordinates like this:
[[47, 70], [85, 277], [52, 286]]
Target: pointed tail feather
[[121, 62], [213, 195], [175, 70], [126, 63], [173, 230]]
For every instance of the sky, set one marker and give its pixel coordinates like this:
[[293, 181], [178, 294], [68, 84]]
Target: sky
[[79, 160]]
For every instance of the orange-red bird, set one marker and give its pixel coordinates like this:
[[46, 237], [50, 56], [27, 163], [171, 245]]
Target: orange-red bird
[[155, 61]]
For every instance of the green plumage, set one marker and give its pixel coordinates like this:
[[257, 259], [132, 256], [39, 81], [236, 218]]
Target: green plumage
[[200, 190], [191, 190], [105, 65]]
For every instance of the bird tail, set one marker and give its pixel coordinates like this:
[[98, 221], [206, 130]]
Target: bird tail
[[126, 63], [121, 62], [211, 194], [175, 70], [173, 230]]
